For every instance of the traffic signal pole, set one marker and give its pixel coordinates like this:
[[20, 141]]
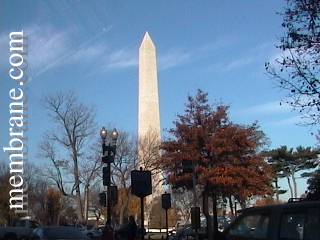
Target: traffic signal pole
[[166, 204], [108, 204], [108, 155], [141, 186], [142, 217], [167, 224]]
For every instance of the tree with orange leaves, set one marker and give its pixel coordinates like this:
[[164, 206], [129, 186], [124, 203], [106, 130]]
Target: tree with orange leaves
[[221, 157]]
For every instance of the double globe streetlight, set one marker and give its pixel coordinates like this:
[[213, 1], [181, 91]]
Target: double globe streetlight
[[108, 154]]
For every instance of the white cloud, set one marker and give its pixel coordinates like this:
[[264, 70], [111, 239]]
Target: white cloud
[[273, 107], [237, 63], [255, 56], [219, 44], [88, 53], [4, 49], [279, 55], [177, 56], [50, 48], [287, 121], [227, 66], [122, 58], [46, 48], [278, 113], [173, 58], [126, 58]]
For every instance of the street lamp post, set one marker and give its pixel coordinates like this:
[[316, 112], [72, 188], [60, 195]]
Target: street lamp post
[[108, 154]]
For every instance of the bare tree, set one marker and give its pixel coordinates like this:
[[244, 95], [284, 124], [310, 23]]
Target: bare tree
[[90, 173], [126, 160], [149, 156], [182, 202], [5, 212], [49, 151], [297, 69], [37, 198], [74, 122]]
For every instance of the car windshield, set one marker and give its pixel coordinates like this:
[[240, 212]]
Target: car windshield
[[21, 223], [63, 233], [251, 226]]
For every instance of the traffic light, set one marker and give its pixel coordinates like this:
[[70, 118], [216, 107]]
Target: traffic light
[[106, 175], [108, 153], [103, 199]]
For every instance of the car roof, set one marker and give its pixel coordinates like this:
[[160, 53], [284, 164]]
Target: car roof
[[282, 206], [59, 227]]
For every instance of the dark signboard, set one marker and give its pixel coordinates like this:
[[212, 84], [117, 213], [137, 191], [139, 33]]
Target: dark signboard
[[113, 193], [195, 217], [103, 199], [166, 201], [141, 184]]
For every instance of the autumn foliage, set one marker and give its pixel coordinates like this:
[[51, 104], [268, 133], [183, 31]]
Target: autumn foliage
[[267, 202], [128, 204], [54, 206], [223, 154]]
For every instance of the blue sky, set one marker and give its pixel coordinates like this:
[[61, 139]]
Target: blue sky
[[91, 48]]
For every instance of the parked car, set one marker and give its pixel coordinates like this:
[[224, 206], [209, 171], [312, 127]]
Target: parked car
[[187, 232], [290, 221], [92, 232], [58, 233], [20, 230], [224, 222]]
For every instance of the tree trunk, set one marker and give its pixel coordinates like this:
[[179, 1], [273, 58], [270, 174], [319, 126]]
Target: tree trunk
[[121, 215], [277, 189], [205, 208], [194, 186], [215, 216], [86, 203], [231, 205], [58, 218], [294, 185], [77, 182], [290, 187]]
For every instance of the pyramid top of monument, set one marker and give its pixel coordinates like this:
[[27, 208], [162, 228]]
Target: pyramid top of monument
[[147, 41]]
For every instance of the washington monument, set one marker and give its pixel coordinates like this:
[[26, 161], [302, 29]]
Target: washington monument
[[149, 130], [149, 115]]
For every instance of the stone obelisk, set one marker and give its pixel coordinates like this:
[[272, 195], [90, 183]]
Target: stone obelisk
[[149, 131], [149, 114]]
